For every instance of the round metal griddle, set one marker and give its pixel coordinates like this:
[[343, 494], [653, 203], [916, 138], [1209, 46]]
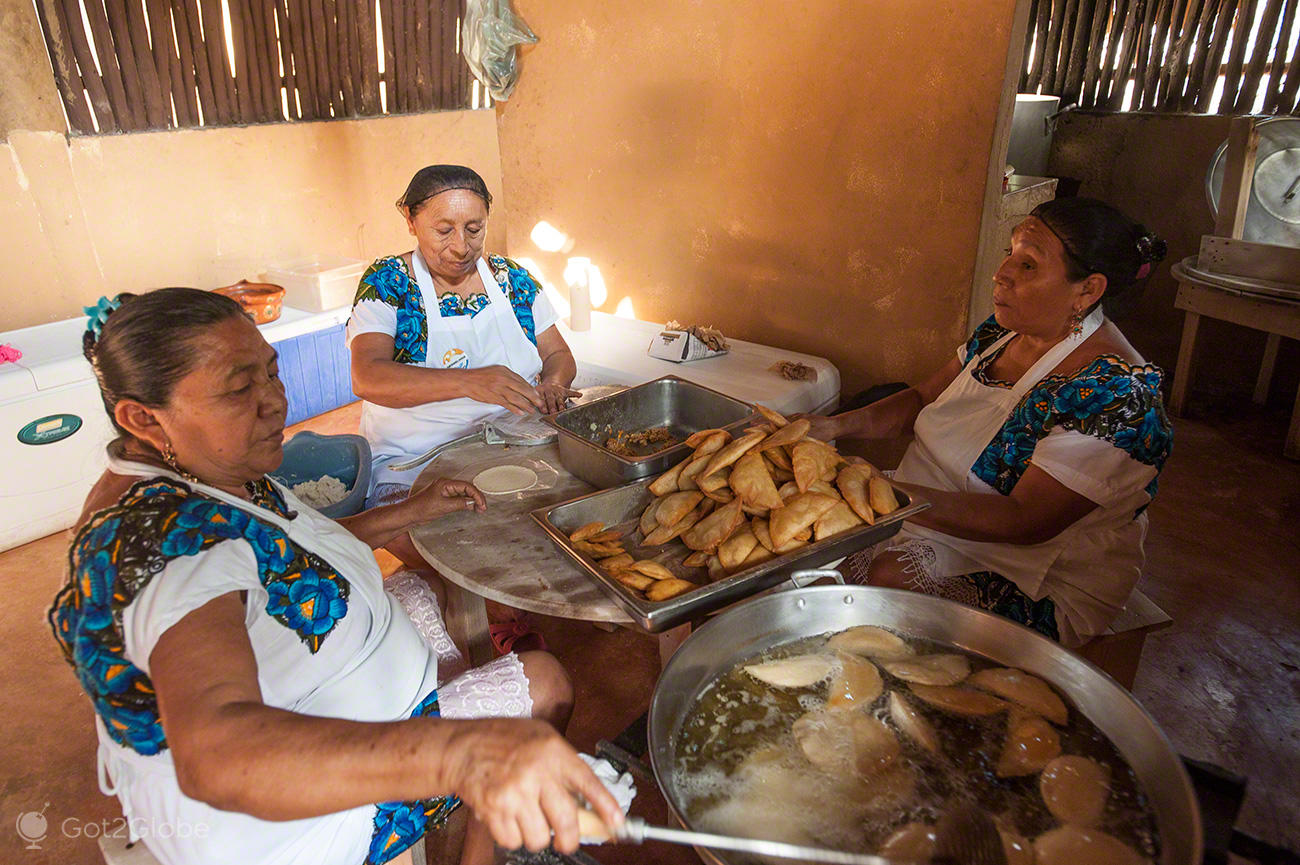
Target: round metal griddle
[[1273, 214]]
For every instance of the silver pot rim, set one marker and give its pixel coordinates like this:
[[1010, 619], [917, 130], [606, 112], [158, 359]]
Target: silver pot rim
[[756, 625]]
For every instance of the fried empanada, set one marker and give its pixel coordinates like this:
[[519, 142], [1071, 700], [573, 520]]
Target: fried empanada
[[715, 482], [938, 669], [697, 559], [1031, 744], [614, 563], [824, 488], [765, 428], [582, 533], [750, 480], [883, 500], [722, 495], [1024, 690], [675, 506], [664, 534], [706, 441], [838, 519], [775, 418], [757, 556], [665, 589], [852, 481], [733, 552], [812, 460], [598, 551], [651, 569], [607, 536], [780, 459], [762, 531], [633, 580], [648, 522], [686, 479], [787, 489], [667, 482], [711, 531], [759, 528], [730, 454], [787, 435], [798, 513], [716, 570]]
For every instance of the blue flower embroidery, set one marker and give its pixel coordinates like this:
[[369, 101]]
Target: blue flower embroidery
[[521, 290], [121, 549], [1110, 399], [307, 602], [398, 825], [387, 280]]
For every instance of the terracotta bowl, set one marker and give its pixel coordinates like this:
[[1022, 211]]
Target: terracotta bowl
[[261, 300]]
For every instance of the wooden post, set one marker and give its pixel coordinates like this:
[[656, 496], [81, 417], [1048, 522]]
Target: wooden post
[[1265, 377], [1183, 371], [1291, 449], [1238, 176]]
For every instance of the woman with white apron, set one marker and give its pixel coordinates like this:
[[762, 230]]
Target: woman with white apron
[[445, 337], [1039, 444]]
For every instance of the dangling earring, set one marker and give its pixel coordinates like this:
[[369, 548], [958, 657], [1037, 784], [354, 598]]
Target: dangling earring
[[169, 457], [1076, 322]]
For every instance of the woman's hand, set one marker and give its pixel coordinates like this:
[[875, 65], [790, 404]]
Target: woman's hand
[[522, 779], [555, 396], [502, 386], [824, 427], [444, 496]]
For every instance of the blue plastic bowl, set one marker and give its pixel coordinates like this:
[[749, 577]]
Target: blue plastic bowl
[[309, 456]]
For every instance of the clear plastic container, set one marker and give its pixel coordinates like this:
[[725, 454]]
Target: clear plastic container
[[319, 282]]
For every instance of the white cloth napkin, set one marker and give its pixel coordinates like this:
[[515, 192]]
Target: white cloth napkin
[[621, 787]]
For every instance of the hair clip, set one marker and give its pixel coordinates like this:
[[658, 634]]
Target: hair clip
[[1151, 248], [99, 314]]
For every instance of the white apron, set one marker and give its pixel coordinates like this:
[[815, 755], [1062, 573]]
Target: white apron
[[374, 667], [492, 337], [951, 433]]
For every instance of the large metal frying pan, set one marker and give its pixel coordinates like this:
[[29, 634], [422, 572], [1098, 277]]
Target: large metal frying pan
[[760, 624]]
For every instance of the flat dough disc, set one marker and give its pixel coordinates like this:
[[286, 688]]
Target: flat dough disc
[[502, 480]]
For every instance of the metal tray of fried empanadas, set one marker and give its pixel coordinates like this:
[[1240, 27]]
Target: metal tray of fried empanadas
[[620, 508]]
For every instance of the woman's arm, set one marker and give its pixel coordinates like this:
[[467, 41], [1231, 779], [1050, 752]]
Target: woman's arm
[[890, 417], [235, 753], [377, 526], [377, 378], [1038, 509], [558, 370]]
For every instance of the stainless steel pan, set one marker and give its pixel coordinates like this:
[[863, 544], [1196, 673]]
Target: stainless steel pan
[[779, 618]]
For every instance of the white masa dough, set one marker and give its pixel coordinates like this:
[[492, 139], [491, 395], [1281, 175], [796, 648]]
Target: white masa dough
[[500, 480]]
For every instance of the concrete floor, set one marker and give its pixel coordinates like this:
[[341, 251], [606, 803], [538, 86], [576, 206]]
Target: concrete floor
[[1224, 681]]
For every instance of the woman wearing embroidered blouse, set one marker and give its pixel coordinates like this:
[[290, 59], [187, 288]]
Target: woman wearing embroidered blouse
[[257, 685], [443, 337], [1040, 443]]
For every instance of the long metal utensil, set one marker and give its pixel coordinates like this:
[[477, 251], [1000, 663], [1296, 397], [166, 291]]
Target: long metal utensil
[[635, 830]]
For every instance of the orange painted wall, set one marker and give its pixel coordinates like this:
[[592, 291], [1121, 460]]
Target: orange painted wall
[[808, 175]]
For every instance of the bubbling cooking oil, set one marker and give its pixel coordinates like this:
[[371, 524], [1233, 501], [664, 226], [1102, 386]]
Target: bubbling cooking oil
[[738, 769]]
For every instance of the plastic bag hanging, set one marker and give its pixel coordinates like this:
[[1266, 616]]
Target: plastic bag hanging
[[488, 39]]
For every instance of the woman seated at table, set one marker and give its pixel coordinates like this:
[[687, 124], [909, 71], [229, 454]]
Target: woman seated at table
[[1039, 444], [257, 688], [443, 337]]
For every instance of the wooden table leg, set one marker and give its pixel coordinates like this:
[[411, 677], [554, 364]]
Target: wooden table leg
[[670, 640], [467, 623], [1265, 377], [1183, 372], [1291, 448]]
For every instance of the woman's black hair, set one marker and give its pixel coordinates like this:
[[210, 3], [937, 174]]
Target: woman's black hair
[[433, 179], [1100, 239], [146, 345]]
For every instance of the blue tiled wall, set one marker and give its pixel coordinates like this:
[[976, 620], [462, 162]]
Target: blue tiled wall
[[316, 372]]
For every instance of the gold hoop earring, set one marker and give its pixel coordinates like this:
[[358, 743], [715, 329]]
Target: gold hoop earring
[[169, 457]]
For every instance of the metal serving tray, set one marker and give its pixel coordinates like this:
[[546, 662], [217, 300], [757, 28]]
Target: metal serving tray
[[683, 406], [621, 508]]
